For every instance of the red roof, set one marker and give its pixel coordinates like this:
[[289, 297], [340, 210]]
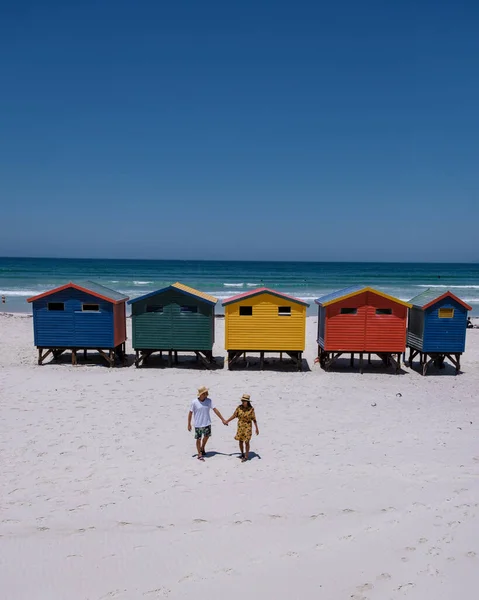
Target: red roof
[[99, 291], [448, 294], [262, 290]]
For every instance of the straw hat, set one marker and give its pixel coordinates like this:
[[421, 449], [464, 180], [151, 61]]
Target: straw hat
[[202, 390], [246, 397]]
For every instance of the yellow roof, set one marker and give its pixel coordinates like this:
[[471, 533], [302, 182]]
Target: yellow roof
[[362, 290], [193, 292]]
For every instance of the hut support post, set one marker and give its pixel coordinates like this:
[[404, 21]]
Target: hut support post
[[85, 353], [74, 356], [261, 360], [170, 357], [351, 360], [361, 363], [41, 356], [369, 358]]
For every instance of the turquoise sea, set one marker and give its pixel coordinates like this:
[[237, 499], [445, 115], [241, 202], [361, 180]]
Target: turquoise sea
[[24, 277]]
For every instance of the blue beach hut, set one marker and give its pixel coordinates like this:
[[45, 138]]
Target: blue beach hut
[[437, 329], [79, 316]]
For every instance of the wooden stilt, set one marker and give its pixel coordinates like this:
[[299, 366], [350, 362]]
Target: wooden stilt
[[369, 358], [261, 360], [361, 363], [85, 352], [170, 357], [176, 357], [280, 357], [351, 360]]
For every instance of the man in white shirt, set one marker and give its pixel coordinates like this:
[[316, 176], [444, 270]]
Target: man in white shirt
[[200, 409]]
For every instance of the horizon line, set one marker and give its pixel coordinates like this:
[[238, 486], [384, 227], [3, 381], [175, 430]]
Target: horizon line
[[215, 260]]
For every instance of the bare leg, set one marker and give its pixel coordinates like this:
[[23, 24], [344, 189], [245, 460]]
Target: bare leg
[[241, 447], [247, 451], [198, 447], [203, 445]]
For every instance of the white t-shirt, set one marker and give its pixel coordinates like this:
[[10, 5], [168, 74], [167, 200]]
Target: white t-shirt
[[201, 412]]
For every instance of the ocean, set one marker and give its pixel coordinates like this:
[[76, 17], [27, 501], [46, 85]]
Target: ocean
[[21, 278]]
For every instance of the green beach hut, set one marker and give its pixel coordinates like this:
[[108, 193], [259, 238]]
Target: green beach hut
[[174, 319]]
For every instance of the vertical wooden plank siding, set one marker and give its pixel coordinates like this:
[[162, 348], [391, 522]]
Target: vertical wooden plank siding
[[265, 329]]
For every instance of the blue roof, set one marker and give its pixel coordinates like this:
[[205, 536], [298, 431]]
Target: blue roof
[[340, 293]]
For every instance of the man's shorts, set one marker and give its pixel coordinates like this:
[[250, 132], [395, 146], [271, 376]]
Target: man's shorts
[[202, 432]]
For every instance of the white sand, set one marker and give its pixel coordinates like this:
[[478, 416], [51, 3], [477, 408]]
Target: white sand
[[101, 496]]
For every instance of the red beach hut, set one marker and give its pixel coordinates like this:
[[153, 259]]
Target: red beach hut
[[358, 320]]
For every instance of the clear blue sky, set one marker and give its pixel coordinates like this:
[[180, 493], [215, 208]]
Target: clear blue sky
[[244, 130]]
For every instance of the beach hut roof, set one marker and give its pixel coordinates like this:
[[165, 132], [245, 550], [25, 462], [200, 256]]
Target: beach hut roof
[[262, 290], [89, 287], [430, 296], [354, 290], [189, 291]]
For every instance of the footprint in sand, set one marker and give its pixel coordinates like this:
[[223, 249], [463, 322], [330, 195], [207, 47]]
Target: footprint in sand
[[365, 587], [158, 593], [383, 576], [406, 587], [471, 554], [410, 549], [422, 540], [199, 521]]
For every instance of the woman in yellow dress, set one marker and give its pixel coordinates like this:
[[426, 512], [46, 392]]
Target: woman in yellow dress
[[246, 417]]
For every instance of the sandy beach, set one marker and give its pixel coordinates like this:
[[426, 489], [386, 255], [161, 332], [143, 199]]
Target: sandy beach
[[360, 486]]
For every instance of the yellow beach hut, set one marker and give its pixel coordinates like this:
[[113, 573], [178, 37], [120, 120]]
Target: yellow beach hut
[[265, 320]]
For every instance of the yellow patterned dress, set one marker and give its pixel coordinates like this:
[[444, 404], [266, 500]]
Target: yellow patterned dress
[[245, 423]]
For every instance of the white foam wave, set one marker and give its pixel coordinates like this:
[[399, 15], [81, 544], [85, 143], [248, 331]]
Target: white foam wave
[[253, 285], [142, 282], [20, 293], [450, 287], [233, 284]]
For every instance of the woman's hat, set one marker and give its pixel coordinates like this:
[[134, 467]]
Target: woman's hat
[[202, 390], [246, 397]]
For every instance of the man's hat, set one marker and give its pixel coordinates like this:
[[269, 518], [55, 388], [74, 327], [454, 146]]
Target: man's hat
[[202, 390]]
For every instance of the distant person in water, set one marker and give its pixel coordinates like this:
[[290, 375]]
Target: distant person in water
[[469, 323], [4, 300], [246, 417], [200, 411]]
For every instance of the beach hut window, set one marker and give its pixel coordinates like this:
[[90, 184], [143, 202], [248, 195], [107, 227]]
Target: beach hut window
[[189, 309], [446, 313], [284, 311], [384, 311], [246, 311], [154, 308], [56, 306], [91, 307], [349, 311]]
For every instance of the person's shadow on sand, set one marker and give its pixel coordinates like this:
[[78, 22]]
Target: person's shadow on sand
[[212, 453]]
